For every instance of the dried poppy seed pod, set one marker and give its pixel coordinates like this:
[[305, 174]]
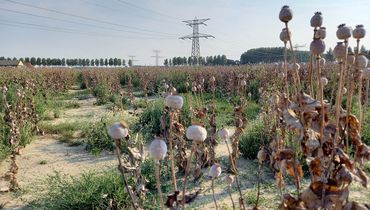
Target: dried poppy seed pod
[[316, 20], [324, 81], [166, 86], [261, 155], [174, 102], [196, 133], [339, 51], [366, 73], [322, 61], [317, 47], [351, 59], [224, 133], [187, 84], [286, 14], [194, 89], [344, 90], [215, 171], [362, 61], [344, 32], [359, 32], [118, 130], [212, 79], [243, 83], [284, 35], [158, 149], [230, 179], [321, 33]]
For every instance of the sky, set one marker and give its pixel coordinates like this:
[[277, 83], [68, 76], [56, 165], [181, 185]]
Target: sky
[[120, 28]]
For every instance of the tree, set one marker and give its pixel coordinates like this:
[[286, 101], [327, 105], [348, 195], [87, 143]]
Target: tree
[[111, 62], [165, 62], [170, 62], [92, 62], [329, 54], [106, 62], [63, 62], [123, 62], [33, 61], [115, 62], [119, 62], [96, 62], [129, 62], [38, 61]]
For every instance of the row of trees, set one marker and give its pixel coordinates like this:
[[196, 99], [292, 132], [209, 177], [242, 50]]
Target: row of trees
[[276, 54], [72, 61], [217, 60]]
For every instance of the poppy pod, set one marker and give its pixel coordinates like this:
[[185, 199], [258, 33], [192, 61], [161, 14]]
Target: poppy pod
[[362, 61], [174, 102], [284, 35], [316, 20], [158, 149], [243, 83], [322, 61], [320, 33], [339, 51], [215, 171], [118, 131], [317, 47], [359, 32], [166, 86], [196, 133], [366, 73], [351, 59], [212, 79], [194, 89], [324, 81], [224, 133], [344, 32], [187, 84], [344, 90], [230, 179], [261, 155], [285, 14]]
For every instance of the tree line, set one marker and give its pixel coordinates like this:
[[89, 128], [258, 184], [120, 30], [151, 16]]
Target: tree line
[[217, 60], [276, 54], [71, 61]]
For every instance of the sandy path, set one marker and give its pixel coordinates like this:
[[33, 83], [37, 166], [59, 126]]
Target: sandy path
[[46, 155]]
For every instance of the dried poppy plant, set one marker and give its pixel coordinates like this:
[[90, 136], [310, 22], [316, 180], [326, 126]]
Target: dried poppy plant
[[213, 173]]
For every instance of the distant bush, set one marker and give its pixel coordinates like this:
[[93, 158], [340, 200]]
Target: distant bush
[[252, 139], [101, 92]]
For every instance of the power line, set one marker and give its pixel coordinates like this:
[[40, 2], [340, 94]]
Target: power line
[[66, 30], [195, 49], [78, 23], [150, 10], [156, 56], [84, 17]]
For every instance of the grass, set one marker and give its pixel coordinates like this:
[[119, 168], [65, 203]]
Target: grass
[[43, 162], [66, 130]]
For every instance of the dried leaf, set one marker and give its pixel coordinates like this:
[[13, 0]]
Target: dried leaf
[[291, 119], [135, 153]]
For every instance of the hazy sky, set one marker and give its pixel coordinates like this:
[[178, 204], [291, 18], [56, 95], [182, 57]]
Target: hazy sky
[[119, 28]]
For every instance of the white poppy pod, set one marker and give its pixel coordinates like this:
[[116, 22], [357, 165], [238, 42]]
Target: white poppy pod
[[224, 133], [243, 83], [316, 20], [215, 171], [351, 59], [166, 86], [344, 32], [284, 35], [317, 47], [324, 81], [359, 32], [362, 61], [229, 179], [117, 131], [322, 61], [187, 84], [320, 33], [174, 89], [366, 73], [344, 91], [286, 14], [174, 102], [194, 89], [212, 79], [199, 87], [339, 51], [196, 133], [158, 149]]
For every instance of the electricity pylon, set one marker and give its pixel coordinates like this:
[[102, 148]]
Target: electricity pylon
[[156, 56], [195, 48]]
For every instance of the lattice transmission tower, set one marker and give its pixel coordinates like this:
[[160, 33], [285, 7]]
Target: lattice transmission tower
[[195, 48], [156, 56]]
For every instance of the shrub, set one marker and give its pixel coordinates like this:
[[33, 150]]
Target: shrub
[[97, 138], [101, 92], [253, 138]]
